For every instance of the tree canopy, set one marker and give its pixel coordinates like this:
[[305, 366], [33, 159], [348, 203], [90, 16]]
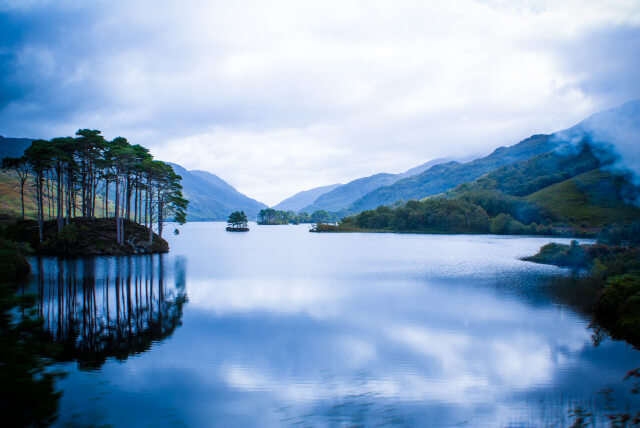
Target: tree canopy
[[237, 220]]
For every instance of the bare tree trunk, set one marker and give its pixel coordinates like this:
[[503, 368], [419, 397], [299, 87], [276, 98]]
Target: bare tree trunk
[[116, 213], [122, 217], [84, 187], [135, 205], [107, 200], [73, 202], [150, 217], [93, 195], [60, 201], [127, 193], [49, 202], [40, 207], [160, 209], [69, 193], [22, 195]]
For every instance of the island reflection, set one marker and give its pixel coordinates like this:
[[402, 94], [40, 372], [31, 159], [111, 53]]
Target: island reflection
[[102, 307]]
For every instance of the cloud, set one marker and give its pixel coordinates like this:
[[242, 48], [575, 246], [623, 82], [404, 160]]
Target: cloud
[[336, 90]]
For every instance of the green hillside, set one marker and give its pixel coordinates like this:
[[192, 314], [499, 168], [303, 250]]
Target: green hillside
[[10, 196], [569, 189], [593, 198], [564, 193], [616, 122]]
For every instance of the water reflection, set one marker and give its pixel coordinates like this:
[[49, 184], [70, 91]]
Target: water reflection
[[97, 308], [285, 327]]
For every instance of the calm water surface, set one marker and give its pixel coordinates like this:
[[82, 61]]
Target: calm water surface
[[281, 327]]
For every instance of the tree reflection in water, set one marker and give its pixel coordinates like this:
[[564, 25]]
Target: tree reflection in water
[[97, 308]]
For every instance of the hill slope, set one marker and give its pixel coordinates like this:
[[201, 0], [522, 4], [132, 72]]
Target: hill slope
[[593, 199], [211, 198], [304, 198], [559, 192], [570, 188]]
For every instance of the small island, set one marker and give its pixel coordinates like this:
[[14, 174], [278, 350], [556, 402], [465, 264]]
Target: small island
[[237, 222], [86, 237], [87, 196], [273, 217]]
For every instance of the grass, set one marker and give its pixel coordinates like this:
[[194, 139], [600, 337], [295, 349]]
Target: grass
[[10, 196], [589, 199], [10, 205]]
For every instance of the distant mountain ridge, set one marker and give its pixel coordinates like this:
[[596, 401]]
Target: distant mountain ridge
[[442, 177], [304, 198], [344, 195], [622, 121], [211, 198], [13, 147]]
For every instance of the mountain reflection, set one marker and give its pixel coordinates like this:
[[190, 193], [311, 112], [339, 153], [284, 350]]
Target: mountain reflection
[[97, 308]]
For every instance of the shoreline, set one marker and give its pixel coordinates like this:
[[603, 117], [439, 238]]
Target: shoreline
[[610, 290], [327, 228], [86, 237]]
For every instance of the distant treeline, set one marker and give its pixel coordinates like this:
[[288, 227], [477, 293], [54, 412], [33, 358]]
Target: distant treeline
[[428, 216], [440, 215], [272, 217], [73, 177]]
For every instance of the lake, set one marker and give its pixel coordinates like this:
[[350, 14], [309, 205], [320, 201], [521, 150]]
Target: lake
[[281, 327]]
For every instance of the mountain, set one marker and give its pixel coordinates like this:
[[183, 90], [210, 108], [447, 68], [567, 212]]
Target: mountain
[[576, 192], [344, 195], [620, 125], [13, 147], [421, 168], [304, 198], [211, 198], [594, 198], [578, 188], [442, 177]]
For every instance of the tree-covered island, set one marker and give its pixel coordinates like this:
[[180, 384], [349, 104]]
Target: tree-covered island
[[95, 196], [237, 222], [270, 216]]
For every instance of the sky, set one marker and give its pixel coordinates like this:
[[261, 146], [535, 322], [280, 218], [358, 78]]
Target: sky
[[281, 96]]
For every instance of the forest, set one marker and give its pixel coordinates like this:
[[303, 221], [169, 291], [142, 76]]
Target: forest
[[430, 215], [91, 178]]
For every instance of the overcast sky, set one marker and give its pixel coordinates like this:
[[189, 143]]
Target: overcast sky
[[281, 96]]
